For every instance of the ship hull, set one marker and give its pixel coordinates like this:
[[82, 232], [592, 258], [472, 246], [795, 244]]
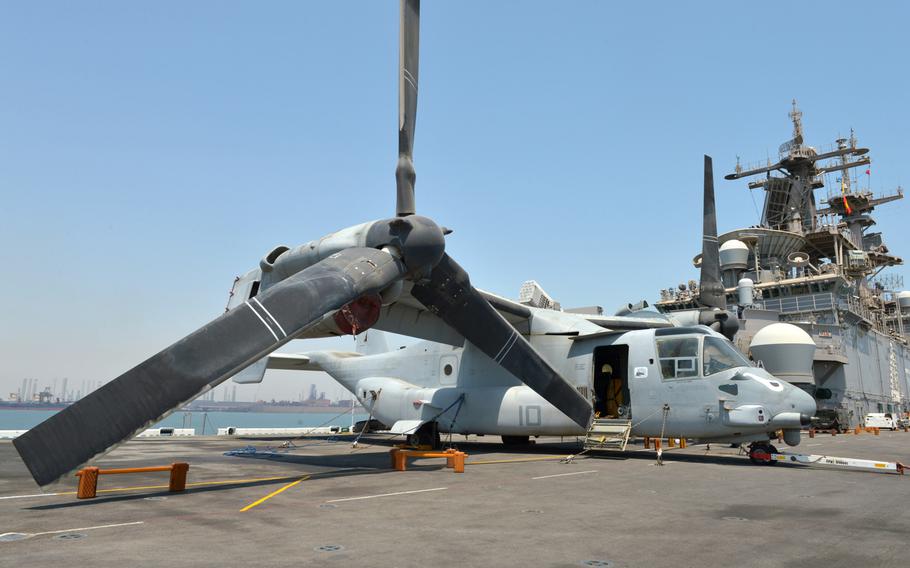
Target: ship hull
[[875, 378]]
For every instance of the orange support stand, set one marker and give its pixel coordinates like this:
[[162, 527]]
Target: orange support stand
[[178, 477], [454, 458], [683, 443], [88, 477], [811, 432], [88, 482], [647, 443]]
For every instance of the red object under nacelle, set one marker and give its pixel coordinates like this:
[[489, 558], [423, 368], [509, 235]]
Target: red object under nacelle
[[359, 315]]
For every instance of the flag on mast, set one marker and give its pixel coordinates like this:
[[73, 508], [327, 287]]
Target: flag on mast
[[843, 191]]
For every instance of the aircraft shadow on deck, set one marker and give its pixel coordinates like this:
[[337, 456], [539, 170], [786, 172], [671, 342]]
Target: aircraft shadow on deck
[[673, 456], [355, 464], [101, 500]]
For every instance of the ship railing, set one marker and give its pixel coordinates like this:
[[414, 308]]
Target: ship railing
[[854, 305], [806, 303], [826, 221], [756, 165], [806, 150], [801, 151]]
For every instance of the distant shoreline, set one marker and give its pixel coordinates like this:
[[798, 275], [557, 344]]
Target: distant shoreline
[[210, 420], [261, 407]]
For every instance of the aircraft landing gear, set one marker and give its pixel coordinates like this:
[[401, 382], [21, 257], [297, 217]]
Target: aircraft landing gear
[[760, 453], [426, 435]]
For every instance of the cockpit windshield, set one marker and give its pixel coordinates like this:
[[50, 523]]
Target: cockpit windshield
[[690, 357], [678, 357], [719, 355]]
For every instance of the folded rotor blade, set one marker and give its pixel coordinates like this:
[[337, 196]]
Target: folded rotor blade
[[710, 289], [409, 49], [148, 392], [450, 295]]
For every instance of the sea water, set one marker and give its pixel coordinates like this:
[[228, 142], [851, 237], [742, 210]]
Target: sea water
[[209, 421]]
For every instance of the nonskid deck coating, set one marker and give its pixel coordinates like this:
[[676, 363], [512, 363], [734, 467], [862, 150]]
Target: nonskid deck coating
[[510, 508]]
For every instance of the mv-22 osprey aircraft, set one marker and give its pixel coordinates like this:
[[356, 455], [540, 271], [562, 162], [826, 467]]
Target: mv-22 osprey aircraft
[[521, 371], [660, 375]]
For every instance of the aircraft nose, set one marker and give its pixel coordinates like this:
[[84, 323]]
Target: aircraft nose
[[804, 404]]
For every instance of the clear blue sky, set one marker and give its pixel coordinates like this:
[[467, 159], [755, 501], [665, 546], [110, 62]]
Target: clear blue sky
[[150, 152]]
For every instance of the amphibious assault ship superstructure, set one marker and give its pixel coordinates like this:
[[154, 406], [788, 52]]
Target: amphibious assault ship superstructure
[[818, 267]]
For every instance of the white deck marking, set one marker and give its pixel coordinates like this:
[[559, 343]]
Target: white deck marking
[[81, 529], [92, 528], [387, 494], [262, 320], [564, 474], [34, 495], [268, 313]]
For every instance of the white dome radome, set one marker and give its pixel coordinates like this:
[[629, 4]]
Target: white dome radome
[[734, 244], [734, 255], [781, 334]]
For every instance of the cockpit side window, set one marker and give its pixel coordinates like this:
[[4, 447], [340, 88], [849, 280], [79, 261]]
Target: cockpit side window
[[678, 357], [719, 355]]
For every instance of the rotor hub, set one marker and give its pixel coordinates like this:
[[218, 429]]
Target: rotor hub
[[419, 241]]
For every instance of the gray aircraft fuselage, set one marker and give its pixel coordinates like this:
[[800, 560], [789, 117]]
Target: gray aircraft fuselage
[[703, 399]]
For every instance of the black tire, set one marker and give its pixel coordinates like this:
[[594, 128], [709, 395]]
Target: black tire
[[426, 435], [760, 454], [515, 440]]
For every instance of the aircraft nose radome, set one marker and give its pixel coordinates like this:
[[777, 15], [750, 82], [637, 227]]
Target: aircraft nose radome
[[804, 404]]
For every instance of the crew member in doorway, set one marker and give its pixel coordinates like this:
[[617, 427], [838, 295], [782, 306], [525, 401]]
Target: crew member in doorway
[[602, 385], [614, 391]]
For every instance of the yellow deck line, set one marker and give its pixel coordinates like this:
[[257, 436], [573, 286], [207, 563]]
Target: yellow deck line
[[273, 493]]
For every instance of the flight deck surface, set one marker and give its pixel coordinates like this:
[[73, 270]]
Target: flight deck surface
[[510, 508]]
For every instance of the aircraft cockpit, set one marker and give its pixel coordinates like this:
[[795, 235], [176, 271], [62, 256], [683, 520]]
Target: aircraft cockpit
[[695, 354]]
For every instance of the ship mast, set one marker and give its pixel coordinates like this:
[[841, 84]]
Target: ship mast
[[789, 196], [790, 206]]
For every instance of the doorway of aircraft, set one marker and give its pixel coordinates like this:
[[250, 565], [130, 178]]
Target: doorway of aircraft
[[611, 381]]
